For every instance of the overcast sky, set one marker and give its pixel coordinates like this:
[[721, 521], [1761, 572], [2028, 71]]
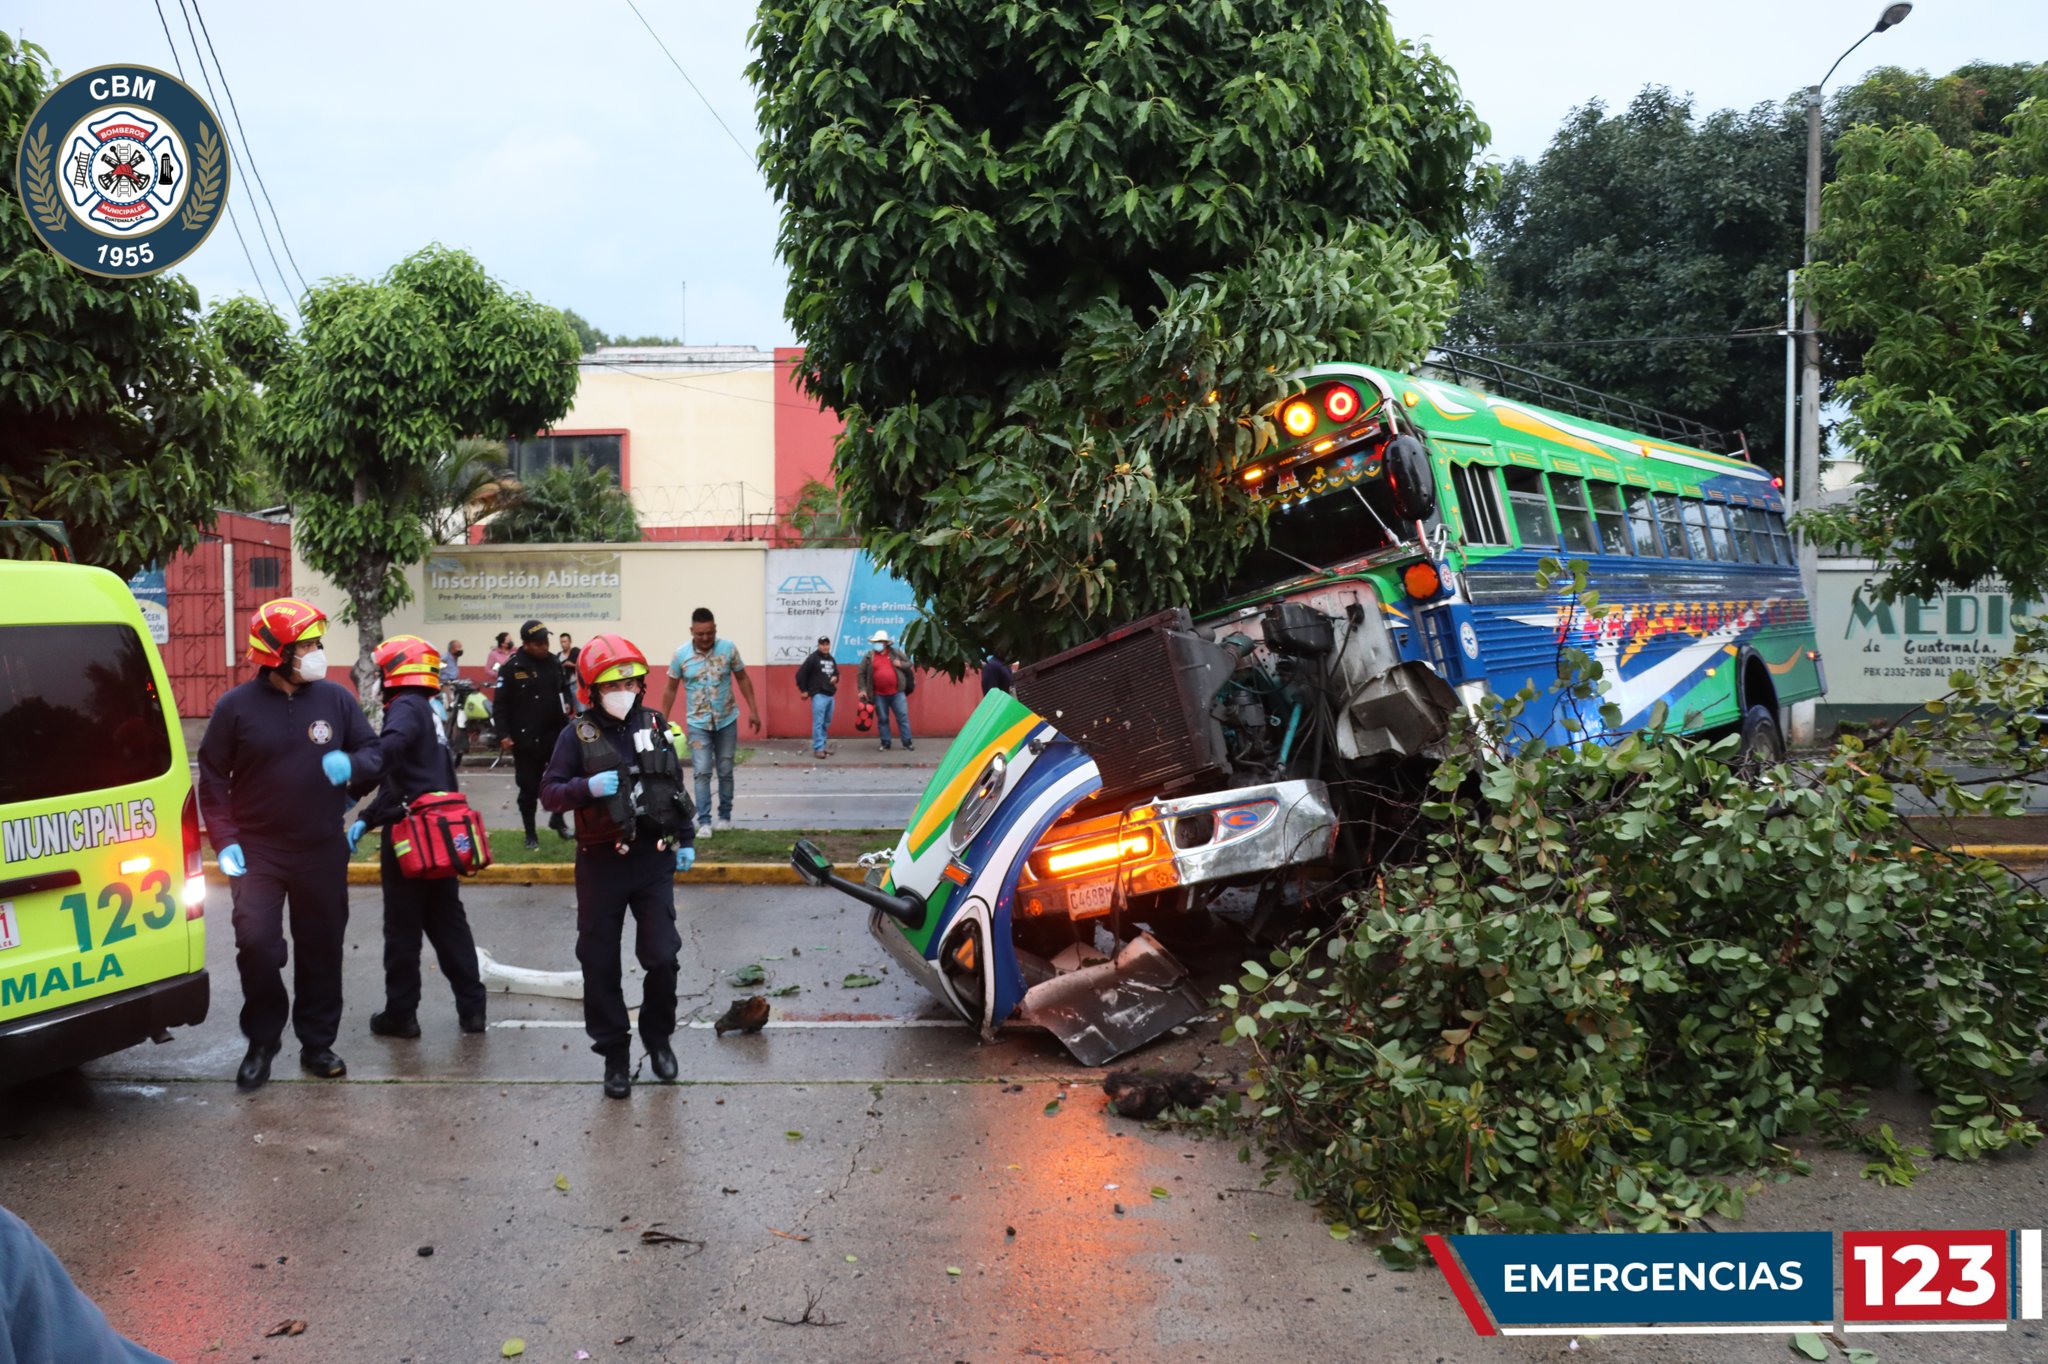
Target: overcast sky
[[558, 144]]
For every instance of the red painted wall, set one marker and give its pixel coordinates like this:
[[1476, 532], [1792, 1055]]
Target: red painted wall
[[196, 583], [938, 707], [804, 436]]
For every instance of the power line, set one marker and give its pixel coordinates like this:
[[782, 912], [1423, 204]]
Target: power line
[[686, 76], [179, 63], [264, 232], [247, 155]]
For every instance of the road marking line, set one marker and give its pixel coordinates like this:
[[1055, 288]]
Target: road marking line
[[705, 1024]]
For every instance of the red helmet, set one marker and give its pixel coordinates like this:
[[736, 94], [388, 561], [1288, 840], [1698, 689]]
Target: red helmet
[[279, 624], [608, 658], [408, 661]]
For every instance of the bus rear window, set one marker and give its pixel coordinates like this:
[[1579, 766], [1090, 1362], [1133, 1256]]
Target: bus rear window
[[79, 711]]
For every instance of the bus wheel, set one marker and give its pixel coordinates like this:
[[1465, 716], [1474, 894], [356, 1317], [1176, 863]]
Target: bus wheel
[[1763, 743]]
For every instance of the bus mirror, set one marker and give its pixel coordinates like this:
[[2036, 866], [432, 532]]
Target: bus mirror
[[1409, 479]]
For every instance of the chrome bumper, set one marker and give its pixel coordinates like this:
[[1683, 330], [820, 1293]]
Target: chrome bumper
[[1247, 830]]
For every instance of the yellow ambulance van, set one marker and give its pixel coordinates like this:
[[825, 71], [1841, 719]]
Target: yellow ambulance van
[[102, 934]]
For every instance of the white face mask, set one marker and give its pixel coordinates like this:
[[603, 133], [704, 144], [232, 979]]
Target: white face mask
[[313, 666], [617, 703]]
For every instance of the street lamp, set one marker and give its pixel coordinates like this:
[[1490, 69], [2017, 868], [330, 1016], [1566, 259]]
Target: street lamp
[[1807, 486]]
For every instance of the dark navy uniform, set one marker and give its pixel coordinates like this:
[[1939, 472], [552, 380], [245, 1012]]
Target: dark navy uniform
[[528, 711], [416, 760], [260, 785], [613, 876]]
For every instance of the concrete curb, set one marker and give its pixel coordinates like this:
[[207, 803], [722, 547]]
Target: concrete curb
[[782, 874], [564, 874]]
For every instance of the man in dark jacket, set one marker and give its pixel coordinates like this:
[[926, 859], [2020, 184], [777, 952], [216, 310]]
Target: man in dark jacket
[[618, 769], [996, 676], [277, 750], [818, 679], [414, 743], [530, 711]]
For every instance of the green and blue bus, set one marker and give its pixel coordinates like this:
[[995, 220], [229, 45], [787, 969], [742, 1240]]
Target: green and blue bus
[[1238, 750]]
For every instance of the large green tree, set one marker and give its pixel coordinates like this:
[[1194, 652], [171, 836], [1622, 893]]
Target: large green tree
[[1661, 222], [1028, 242], [363, 406], [1652, 222], [1938, 255], [119, 415]]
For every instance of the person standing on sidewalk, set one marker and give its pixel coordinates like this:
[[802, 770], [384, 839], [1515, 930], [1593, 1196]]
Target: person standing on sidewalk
[[818, 680], [416, 760], [709, 668], [532, 708], [886, 682], [276, 751], [616, 766]]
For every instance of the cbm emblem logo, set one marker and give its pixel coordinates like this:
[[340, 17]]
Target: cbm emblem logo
[[123, 171], [805, 582]]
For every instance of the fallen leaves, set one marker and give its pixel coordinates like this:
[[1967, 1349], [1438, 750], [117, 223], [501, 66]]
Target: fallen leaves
[[562, 1183], [790, 1235], [512, 1348], [294, 1327], [859, 980], [751, 974], [785, 991], [793, 1135], [953, 1271], [1160, 1195], [1810, 1345]]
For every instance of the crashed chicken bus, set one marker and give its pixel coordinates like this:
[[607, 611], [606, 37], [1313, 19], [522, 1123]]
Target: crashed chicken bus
[[1233, 758]]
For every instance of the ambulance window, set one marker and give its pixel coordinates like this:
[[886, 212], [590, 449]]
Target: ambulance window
[[79, 711]]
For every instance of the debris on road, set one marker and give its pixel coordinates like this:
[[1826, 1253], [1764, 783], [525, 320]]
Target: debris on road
[[746, 1016], [1144, 1095], [294, 1327]]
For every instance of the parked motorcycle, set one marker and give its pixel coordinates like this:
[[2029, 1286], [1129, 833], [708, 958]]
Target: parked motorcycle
[[471, 722]]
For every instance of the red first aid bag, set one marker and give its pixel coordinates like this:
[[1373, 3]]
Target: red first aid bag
[[440, 836]]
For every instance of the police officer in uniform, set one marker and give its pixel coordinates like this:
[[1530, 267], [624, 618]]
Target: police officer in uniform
[[277, 750], [414, 744], [617, 768], [531, 710]]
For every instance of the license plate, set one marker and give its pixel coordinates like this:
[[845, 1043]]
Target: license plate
[[10, 934], [1092, 899]]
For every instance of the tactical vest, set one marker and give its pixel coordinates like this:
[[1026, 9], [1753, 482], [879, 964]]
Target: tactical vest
[[650, 805]]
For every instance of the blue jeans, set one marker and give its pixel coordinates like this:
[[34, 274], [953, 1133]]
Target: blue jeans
[[821, 720], [709, 747], [898, 706]]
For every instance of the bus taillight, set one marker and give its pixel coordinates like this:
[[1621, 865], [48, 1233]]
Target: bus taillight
[[1341, 403], [1298, 417]]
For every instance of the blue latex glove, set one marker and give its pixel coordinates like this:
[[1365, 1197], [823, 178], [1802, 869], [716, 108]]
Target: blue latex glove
[[605, 784], [440, 709], [232, 862], [337, 766], [355, 834], [686, 858]]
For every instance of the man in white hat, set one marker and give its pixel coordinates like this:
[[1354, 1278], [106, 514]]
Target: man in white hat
[[886, 681]]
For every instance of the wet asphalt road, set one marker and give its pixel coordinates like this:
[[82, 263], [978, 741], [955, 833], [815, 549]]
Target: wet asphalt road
[[846, 1160]]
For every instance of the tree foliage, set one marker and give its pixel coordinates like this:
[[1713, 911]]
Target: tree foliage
[[119, 415], [368, 399], [1651, 222], [1028, 241], [565, 504], [1621, 970], [590, 338], [1937, 255]]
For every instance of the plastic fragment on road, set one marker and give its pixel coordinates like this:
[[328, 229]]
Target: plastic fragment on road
[[523, 980]]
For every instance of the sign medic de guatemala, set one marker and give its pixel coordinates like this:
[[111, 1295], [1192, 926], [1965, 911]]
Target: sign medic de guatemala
[[123, 171]]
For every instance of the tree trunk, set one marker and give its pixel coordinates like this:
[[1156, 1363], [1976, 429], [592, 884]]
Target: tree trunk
[[366, 595]]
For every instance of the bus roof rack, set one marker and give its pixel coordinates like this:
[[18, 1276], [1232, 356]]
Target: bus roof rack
[[1489, 375]]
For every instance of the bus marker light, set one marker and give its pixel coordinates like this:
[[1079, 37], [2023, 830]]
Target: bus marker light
[[1422, 581], [1254, 475], [1298, 417]]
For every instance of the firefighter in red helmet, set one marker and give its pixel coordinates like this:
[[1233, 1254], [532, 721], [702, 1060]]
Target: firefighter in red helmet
[[616, 767], [277, 750], [414, 743]]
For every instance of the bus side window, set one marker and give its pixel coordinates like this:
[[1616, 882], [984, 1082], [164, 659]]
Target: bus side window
[[1675, 538], [1642, 524], [1781, 539], [1607, 510], [1484, 524], [1696, 538], [1769, 545], [1572, 516], [1718, 532], [1746, 547], [1531, 507]]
